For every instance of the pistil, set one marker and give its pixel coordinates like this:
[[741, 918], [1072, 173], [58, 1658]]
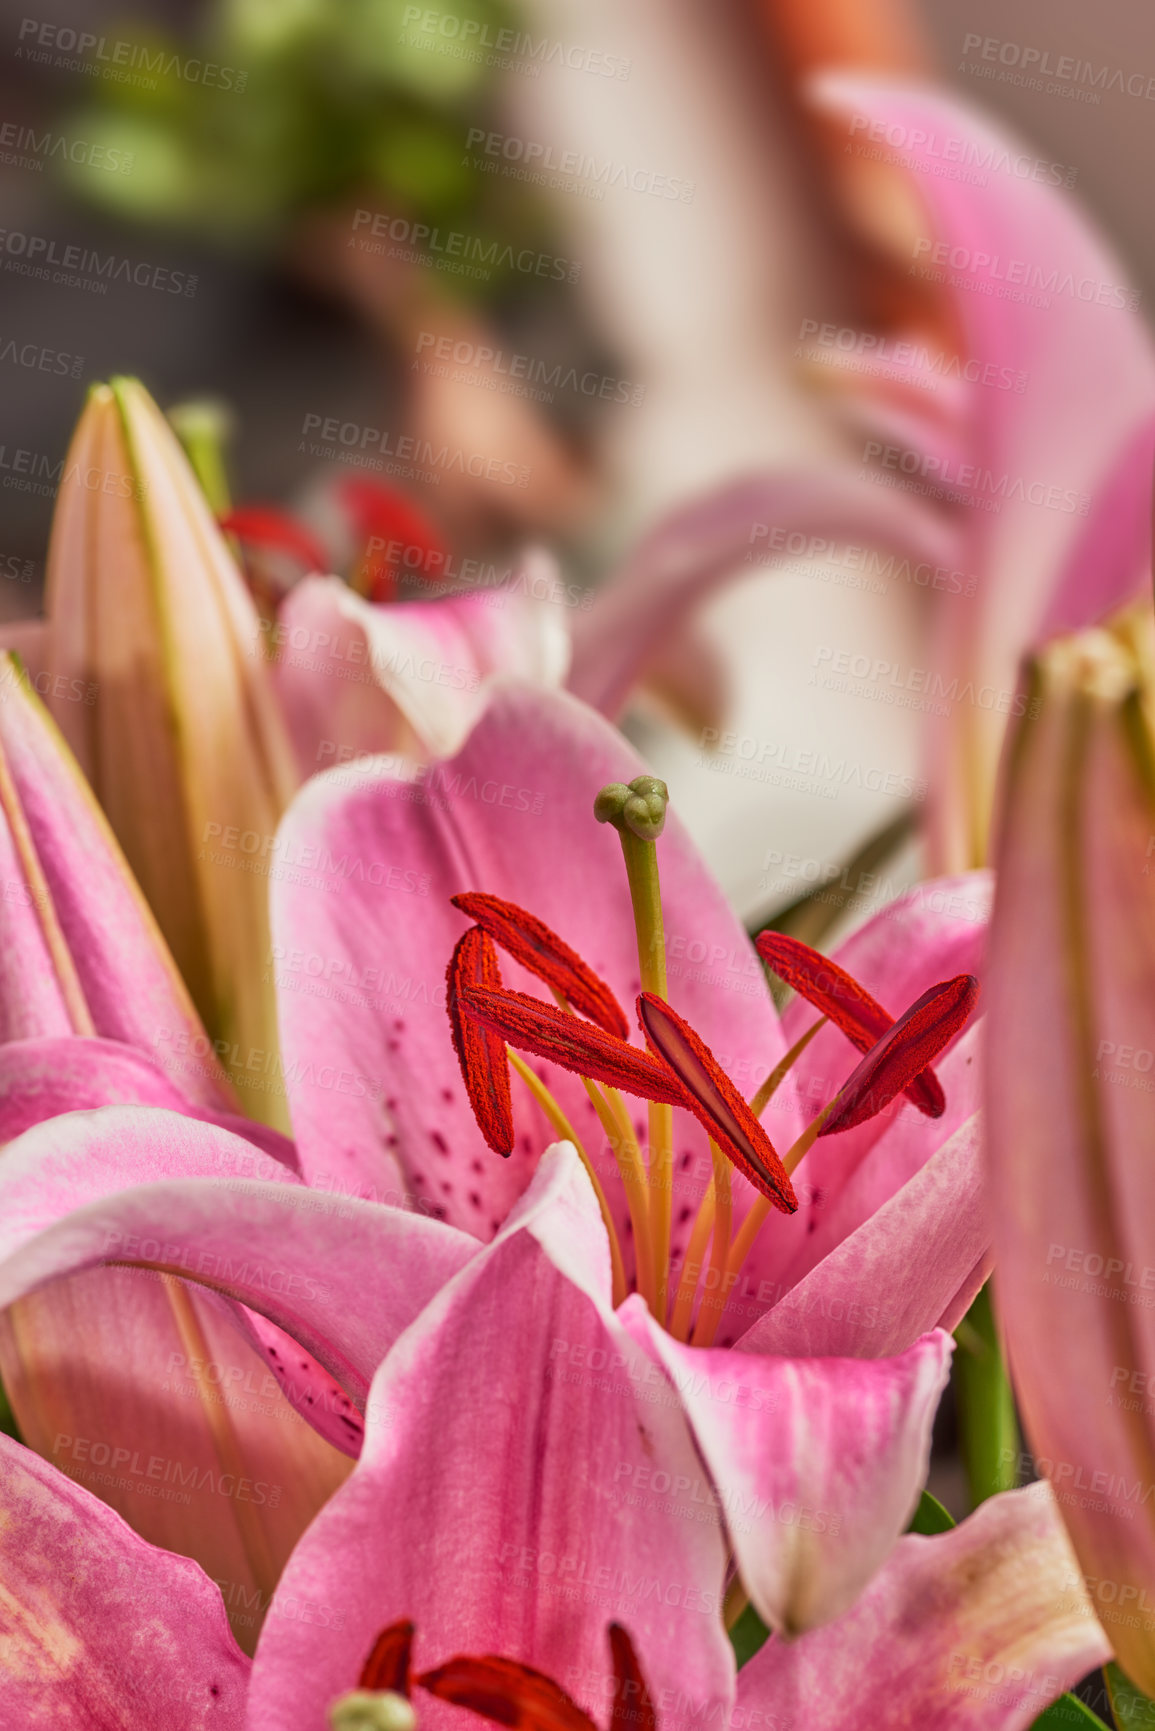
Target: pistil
[[638, 813]]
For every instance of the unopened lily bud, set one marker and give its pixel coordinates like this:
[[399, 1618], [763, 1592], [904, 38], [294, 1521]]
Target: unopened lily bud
[[639, 807], [158, 680], [1070, 992]]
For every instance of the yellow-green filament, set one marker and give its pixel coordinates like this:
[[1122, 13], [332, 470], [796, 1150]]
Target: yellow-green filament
[[717, 1289], [770, 1086], [624, 1146], [566, 1131]]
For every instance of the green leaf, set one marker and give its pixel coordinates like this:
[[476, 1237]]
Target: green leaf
[[1067, 1714], [988, 1426], [930, 1517], [1130, 1706], [748, 1636]]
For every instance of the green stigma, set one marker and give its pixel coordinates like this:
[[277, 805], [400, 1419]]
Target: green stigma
[[372, 1710], [639, 808]]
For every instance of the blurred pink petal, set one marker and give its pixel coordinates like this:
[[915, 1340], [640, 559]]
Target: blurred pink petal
[[723, 535], [978, 1629], [356, 678], [1038, 296]]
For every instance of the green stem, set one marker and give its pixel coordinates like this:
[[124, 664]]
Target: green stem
[[202, 427], [988, 1426]]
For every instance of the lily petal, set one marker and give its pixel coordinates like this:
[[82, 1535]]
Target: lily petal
[[99, 1628], [124, 1366], [714, 539], [356, 678], [913, 1264], [847, 1440], [509, 1536], [82, 952], [41, 1079], [978, 1629]]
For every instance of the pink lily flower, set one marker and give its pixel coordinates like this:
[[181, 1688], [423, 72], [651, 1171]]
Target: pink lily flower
[[890, 1364], [514, 1489], [382, 1109], [1072, 1027]]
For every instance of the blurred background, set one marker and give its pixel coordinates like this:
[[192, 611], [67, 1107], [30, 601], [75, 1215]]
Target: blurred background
[[550, 270]]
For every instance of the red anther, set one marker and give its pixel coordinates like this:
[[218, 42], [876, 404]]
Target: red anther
[[481, 1054], [848, 1005], [715, 1101], [531, 942], [576, 1045], [399, 540], [507, 1692], [387, 1666], [265, 527], [633, 1708], [916, 1038]]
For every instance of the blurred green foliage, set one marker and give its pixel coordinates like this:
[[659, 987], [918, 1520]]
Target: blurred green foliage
[[309, 103]]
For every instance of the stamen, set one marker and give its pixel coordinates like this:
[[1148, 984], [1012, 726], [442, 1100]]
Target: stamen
[[715, 1101], [387, 1666], [509, 1693], [633, 1708], [880, 1070], [566, 1131], [847, 1004], [579, 1046], [480, 1053], [531, 942], [904, 1051], [265, 527]]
